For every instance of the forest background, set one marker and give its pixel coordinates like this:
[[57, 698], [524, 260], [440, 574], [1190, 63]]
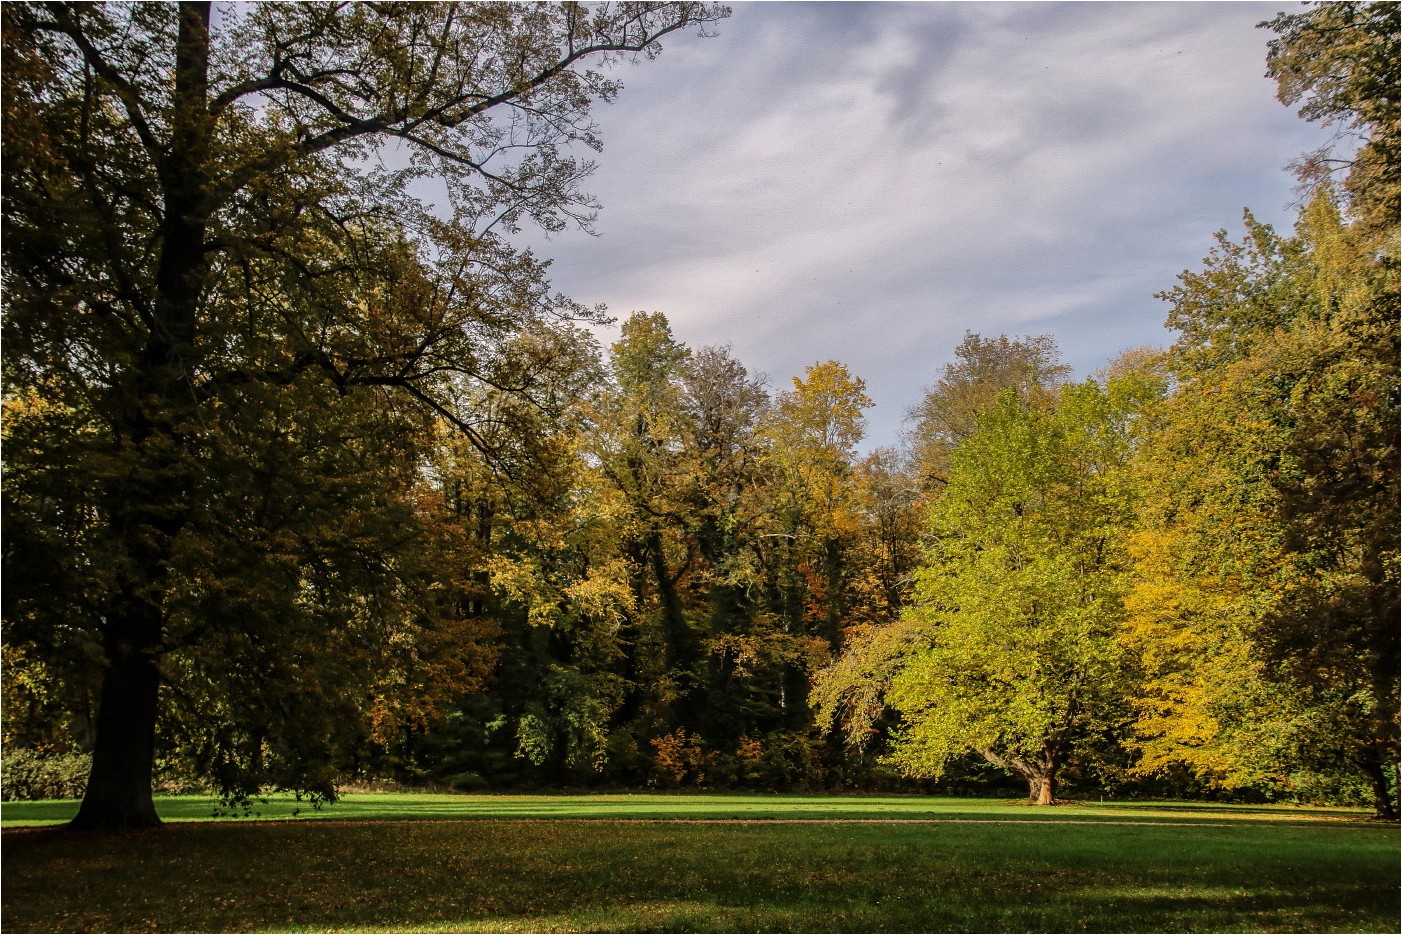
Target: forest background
[[306, 485]]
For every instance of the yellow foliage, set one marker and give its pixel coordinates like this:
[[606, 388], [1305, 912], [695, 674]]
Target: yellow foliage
[[603, 594]]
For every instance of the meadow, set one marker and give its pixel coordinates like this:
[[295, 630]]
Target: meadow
[[705, 863]]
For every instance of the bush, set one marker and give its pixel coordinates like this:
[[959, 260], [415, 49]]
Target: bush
[[28, 774], [469, 782], [680, 758], [782, 761]]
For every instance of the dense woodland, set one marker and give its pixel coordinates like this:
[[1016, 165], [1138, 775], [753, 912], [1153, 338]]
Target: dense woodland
[[306, 484]]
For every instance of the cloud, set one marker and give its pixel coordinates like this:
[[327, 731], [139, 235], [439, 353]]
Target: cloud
[[866, 182]]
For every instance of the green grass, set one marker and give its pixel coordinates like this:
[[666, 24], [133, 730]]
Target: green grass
[[1155, 868], [655, 806]]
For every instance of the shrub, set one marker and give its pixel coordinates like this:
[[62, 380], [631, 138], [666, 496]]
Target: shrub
[[469, 781], [782, 761], [680, 758], [29, 774]]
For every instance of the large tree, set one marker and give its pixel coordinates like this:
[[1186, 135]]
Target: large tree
[[1273, 547], [1274, 490], [639, 446], [1010, 648], [814, 430], [195, 217]]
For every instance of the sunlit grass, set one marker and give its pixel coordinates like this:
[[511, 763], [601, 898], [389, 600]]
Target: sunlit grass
[[400, 806]]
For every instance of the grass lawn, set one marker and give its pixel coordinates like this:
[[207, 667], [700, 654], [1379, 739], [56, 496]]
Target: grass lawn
[[653, 806], [538, 867]]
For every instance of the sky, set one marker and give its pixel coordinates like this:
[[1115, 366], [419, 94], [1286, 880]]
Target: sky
[[866, 182]]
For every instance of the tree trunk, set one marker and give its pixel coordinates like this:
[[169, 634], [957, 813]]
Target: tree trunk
[[1041, 787], [149, 507], [1040, 773], [679, 642], [1384, 808], [1048, 766], [1034, 786], [118, 794]]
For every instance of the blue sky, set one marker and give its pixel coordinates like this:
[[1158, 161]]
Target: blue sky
[[866, 182]]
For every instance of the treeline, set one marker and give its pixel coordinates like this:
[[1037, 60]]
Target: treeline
[[371, 505]]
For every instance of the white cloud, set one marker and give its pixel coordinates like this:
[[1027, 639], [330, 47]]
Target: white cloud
[[865, 182]]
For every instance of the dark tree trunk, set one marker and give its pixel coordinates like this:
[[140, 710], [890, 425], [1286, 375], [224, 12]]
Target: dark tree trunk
[[1384, 807], [150, 506], [723, 717], [674, 628], [119, 786], [634, 666]]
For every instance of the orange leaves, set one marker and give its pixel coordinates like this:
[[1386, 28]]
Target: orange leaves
[[429, 668], [680, 757]]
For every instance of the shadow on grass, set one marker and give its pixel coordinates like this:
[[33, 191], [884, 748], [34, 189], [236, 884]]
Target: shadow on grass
[[549, 875], [1220, 809]]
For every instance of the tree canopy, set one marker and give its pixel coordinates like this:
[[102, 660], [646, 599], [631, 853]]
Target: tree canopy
[[198, 240], [307, 480]]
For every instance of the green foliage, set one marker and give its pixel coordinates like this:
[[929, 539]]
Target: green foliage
[[1010, 649], [1268, 589], [234, 333], [1020, 599], [1341, 60], [850, 692], [27, 774], [982, 368], [1265, 607]]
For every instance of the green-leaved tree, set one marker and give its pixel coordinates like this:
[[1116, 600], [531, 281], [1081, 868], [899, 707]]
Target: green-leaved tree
[[1010, 650]]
